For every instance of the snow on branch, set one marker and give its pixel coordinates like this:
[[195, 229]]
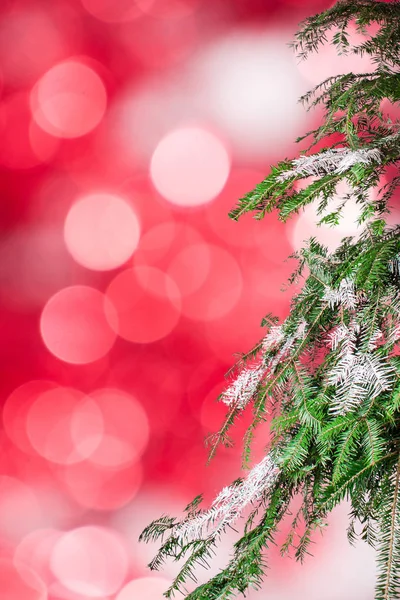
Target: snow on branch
[[229, 504], [357, 375], [345, 295], [273, 338], [243, 388], [334, 161]]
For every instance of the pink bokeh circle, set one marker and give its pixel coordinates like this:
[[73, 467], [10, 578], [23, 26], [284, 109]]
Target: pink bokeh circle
[[190, 267], [16, 409], [78, 324], [34, 551], [101, 231], [69, 100], [148, 304], [65, 426], [190, 166], [91, 561], [126, 428], [103, 488], [220, 291]]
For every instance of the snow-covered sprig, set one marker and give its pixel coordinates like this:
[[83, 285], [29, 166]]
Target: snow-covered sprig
[[334, 161], [344, 295], [287, 346], [274, 337], [376, 337], [358, 378], [229, 504], [357, 375], [338, 335], [394, 335], [243, 388]]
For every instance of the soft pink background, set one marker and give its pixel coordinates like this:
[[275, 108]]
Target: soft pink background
[[128, 129]]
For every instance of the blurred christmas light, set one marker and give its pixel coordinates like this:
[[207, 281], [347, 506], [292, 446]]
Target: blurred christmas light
[[91, 561], [145, 588], [20, 584], [257, 122], [126, 428], [148, 304], [220, 291], [64, 426], [69, 100], [78, 324], [160, 243], [34, 551], [16, 409], [20, 512], [143, 114], [101, 231], [190, 267], [190, 166], [102, 488]]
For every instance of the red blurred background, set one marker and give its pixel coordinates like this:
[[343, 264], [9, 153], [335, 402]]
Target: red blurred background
[[128, 130]]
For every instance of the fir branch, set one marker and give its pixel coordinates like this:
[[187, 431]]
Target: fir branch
[[388, 554], [330, 373]]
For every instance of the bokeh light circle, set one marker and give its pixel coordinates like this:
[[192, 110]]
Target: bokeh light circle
[[145, 588], [101, 231], [126, 428], [20, 512], [104, 488], [20, 584], [16, 409], [78, 325], [69, 100], [220, 291], [246, 82], [148, 304], [34, 551], [190, 166], [91, 561], [64, 426], [190, 267], [160, 244]]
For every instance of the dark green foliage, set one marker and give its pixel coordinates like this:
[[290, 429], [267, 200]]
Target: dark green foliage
[[329, 376]]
